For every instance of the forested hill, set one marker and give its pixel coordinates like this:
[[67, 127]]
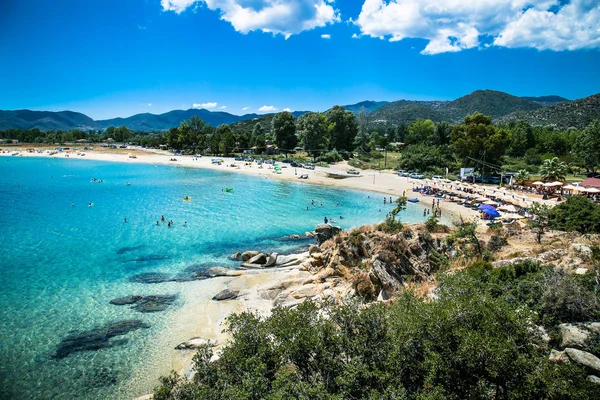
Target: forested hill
[[576, 114], [502, 107]]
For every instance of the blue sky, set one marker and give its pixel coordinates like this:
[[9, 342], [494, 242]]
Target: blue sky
[[116, 58]]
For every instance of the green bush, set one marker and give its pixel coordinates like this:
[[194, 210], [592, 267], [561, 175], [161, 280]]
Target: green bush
[[577, 213]]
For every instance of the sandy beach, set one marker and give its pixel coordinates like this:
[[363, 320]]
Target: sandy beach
[[384, 182]]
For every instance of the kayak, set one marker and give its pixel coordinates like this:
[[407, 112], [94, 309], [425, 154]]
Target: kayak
[[413, 200]]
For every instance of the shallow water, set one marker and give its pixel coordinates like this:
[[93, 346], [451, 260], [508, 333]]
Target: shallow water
[[62, 261]]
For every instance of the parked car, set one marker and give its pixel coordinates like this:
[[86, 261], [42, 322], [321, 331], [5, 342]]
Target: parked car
[[309, 166], [123, 146], [239, 159], [271, 161], [249, 159], [287, 161], [416, 176], [352, 171], [437, 177], [402, 172], [296, 164]]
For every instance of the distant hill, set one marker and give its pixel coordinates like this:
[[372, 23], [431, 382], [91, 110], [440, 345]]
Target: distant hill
[[159, 122], [368, 105], [44, 120], [547, 99], [576, 114]]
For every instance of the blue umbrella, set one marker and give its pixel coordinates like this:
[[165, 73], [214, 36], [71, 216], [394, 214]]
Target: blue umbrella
[[484, 207], [491, 212]]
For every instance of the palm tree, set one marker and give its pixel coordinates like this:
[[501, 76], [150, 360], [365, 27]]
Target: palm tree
[[553, 170], [521, 176]]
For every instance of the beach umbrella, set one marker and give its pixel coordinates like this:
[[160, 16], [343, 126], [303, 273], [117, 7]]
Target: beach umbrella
[[592, 190], [491, 212], [481, 198], [485, 207], [512, 216], [508, 208], [553, 184], [490, 203], [570, 187], [537, 183]]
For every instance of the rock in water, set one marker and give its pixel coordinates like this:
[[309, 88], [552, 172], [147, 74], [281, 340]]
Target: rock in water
[[226, 294], [260, 258], [122, 301], [97, 338], [324, 232], [150, 277]]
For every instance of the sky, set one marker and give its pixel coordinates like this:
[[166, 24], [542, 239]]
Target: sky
[[116, 58]]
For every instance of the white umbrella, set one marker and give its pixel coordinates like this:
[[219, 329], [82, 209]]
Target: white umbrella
[[508, 208], [570, 187], [512, 216], [589, 190], [552, 184], [537, 183], [491, 203]]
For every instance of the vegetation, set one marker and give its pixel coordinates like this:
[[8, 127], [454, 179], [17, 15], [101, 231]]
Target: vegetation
[[553, 170], [475, 341], [575, 214]]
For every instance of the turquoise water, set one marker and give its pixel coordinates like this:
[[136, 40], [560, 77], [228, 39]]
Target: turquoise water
[[62, 261]]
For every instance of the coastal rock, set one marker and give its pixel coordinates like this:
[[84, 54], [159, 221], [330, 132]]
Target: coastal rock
[[584, 358], [295, 236], [324, 232], [386, 276], [260, 258], [122, 301], [222, 271], [559, 357], [246, 265], [236, 256], [150, 277], [271, 260], [313, 248], [194, 343], [97, 338], [248, 255], [291, 260], [574, 336], [226, 294]]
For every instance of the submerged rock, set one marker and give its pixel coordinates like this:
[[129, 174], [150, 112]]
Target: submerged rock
[[98, 338], [128, 249], [150, 277], [324, 232], [152, 303], [226, 294]]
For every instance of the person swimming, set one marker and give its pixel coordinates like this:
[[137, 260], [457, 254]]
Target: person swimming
[[124, 219], [91, 205], [162, 218], [325, 220]]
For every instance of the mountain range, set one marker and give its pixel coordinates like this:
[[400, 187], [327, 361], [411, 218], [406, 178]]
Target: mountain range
[[502, 107]]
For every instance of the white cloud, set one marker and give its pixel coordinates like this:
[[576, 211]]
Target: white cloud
[[454, 25], [355, 36], [287, 109], [207, 106], [223, 107], [326, 36], [149, 104], [267, 109], [245, 108], [286, 17]]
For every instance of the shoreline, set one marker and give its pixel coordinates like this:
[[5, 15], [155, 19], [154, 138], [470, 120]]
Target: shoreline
[[374, 181]]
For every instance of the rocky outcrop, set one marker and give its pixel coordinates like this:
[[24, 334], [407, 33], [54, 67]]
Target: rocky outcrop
[[577, 335], [324, 232], [97, 338], [579, 357], [248, 255], [226, 294], [194, 343]]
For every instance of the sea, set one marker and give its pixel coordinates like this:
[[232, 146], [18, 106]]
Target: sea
[[76, 233]]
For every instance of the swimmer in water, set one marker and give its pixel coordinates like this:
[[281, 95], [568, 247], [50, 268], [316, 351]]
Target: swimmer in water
[[91, 205], [124, 219]]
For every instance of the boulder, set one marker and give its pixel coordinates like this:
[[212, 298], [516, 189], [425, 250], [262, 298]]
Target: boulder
[[122, 301], [324, 232], [584, 358], [581, 250], [574, 336], [248, 255], [146, 304], [194, 343], [593, 379], [313, 248], [236, 256], [271, 260], [385, 275], [290, 260], [260, 258], [246, 265], [222, 271], [226, 294], [581, 271]]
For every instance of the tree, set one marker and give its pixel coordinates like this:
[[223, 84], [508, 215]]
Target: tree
[[420, 131], [477, 138], [227, 139], [577, 213], [521, 139], [540, 222], [283, 128], [442, 133], [314, 132], [586, 150], [522, 176], [344, 128], [361, 141], [553, 170]]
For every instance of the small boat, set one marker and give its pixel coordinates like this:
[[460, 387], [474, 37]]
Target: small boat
[[413, 200], [187, 198]]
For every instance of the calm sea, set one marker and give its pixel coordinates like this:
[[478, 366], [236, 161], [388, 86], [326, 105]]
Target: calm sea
[[62, 261]]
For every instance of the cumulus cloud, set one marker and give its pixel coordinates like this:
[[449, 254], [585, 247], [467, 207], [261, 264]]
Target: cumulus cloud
[[267, 109], [326, 36], [222, 107], [454, 25], [207, 106], [245, 108], [286, 17], [287, 109]]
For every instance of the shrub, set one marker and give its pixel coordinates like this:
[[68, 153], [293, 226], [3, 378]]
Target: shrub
[[576, 214], [431, 223], [496, 243]]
